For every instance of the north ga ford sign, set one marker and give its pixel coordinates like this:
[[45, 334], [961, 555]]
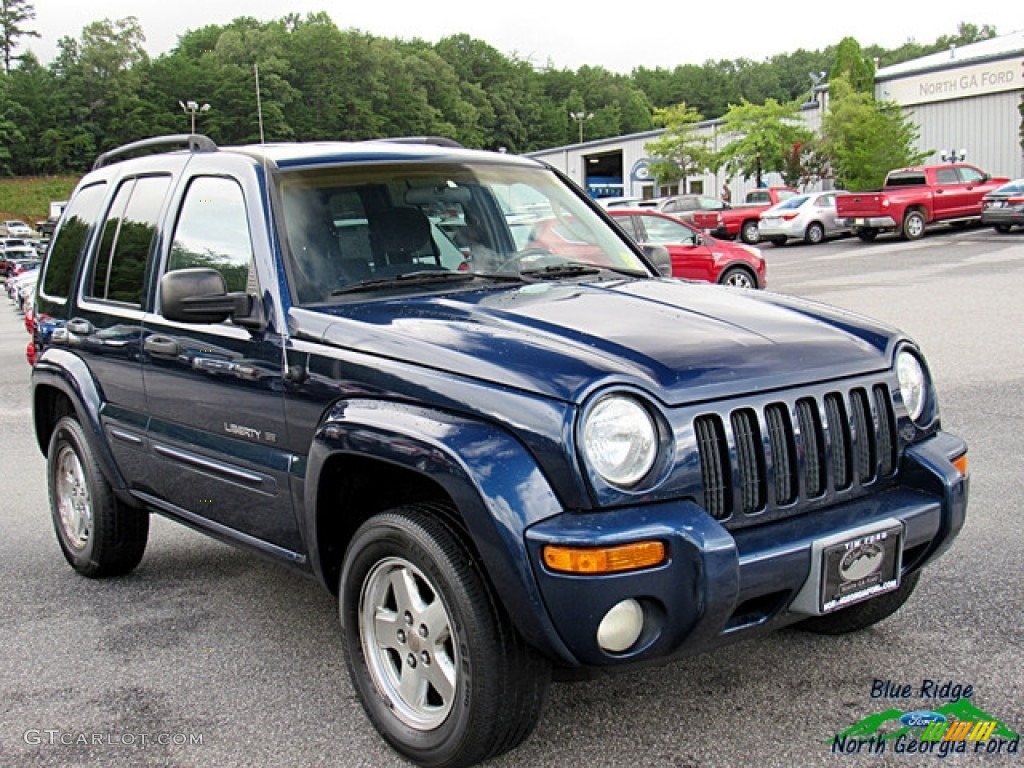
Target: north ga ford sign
[[959, 83]]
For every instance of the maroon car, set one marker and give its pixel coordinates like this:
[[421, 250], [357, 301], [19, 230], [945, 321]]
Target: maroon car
[[695, 255]]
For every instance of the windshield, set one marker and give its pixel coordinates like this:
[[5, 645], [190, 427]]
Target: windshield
[[355, 229]]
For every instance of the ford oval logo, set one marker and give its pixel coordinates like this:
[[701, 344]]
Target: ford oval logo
[[860, 562], [922, 718]]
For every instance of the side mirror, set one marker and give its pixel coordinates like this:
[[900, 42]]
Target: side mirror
[[199, 295], [660, 257]]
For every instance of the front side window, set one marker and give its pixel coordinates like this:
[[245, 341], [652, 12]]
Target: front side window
[[118, 271], [213, 231], [69, 241], [666, 231]]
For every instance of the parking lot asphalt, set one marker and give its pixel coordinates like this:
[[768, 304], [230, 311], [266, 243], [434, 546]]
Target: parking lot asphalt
[[209, 656]]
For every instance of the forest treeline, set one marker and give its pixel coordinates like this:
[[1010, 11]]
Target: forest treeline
[[318, 81]]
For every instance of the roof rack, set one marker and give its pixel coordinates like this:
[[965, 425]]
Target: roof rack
[[439, 141], [195, 142]]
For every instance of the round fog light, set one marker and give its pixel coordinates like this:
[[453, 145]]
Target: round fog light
[[621, 626]]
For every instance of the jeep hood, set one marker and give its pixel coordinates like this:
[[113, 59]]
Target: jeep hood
[[682, 341]]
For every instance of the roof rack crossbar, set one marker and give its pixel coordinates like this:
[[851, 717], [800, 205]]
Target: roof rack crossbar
[[196, 142], [439, 141]]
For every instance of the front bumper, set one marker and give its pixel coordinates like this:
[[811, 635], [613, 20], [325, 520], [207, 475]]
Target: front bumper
[[719, 585]]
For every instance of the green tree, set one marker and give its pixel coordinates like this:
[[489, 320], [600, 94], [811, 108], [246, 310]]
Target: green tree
[[851, 63], [763, 137], [864, 139], [680, 151], [14, 14]]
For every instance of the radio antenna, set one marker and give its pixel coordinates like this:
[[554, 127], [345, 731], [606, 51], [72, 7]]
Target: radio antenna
[[259, 102]]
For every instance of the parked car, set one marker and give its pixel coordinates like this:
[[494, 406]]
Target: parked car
[[570, 464], [1003, 207], [914, 198], [695, 254], [684, 206], [811, 218], [15, 228], [740, 222], [14, 254]]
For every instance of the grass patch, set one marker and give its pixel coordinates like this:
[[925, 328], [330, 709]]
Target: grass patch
[[27, 198]]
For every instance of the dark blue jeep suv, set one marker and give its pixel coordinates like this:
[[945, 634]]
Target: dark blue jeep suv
[[508, 460]]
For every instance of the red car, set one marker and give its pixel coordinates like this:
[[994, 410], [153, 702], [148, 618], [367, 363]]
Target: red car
[[695, 255]]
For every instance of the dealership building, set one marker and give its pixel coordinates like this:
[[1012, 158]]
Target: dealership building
[[964, 101]]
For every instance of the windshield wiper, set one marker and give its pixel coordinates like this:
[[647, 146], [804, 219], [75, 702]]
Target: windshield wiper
[[406, 278], [419, 277], [576, 269]]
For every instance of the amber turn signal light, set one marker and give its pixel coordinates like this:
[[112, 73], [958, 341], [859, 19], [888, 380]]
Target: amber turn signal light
[[597, 560], [961, 464]]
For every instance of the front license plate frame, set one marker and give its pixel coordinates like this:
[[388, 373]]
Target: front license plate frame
[[852, 566]]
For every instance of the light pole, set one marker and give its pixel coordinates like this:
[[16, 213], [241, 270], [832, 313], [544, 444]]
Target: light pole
[[190, 108], [581, 118], [954, 156]]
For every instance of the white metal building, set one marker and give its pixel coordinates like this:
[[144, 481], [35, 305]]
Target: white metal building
[[964, 101]]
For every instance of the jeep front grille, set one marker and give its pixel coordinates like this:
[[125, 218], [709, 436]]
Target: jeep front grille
[[779, 459]]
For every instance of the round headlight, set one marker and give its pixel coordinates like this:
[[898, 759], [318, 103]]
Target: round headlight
[[620, 440], [913, 384]]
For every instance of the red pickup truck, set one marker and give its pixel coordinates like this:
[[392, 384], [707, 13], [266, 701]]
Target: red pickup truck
[[741, 220], [913, 198]]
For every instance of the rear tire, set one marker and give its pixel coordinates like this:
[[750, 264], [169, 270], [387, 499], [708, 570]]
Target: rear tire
[[98, 533], [867, 235], [862, 615], [779, 241], [814, 234], [913, 226], [438, 666], [1002, 228]]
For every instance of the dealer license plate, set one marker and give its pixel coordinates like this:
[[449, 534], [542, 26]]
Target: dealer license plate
[[860, 567]]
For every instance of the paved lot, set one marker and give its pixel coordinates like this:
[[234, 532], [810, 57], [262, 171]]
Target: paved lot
[[207, 644]]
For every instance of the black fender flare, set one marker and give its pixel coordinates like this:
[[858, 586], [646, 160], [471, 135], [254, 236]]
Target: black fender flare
[[65, 372], [495, 482]]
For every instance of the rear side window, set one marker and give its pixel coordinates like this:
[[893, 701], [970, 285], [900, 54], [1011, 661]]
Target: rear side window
[[947, 176], [213, 231], [118, 273], [70, 239]]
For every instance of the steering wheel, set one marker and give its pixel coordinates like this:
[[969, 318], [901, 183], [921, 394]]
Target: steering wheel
[[532, 257]]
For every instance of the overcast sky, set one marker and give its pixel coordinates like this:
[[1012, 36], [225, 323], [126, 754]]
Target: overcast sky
[[568, 34]]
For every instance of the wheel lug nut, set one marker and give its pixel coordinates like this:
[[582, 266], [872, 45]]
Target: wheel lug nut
[[411, 661], [401, 636], [425, 657], [423, 630], [407, 617]]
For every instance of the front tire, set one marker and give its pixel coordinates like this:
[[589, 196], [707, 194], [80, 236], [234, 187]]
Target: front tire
[[98, 533], [749, 233], [738, 277], [814, 234], [862, 615], [1002, 228], [438, 667]]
